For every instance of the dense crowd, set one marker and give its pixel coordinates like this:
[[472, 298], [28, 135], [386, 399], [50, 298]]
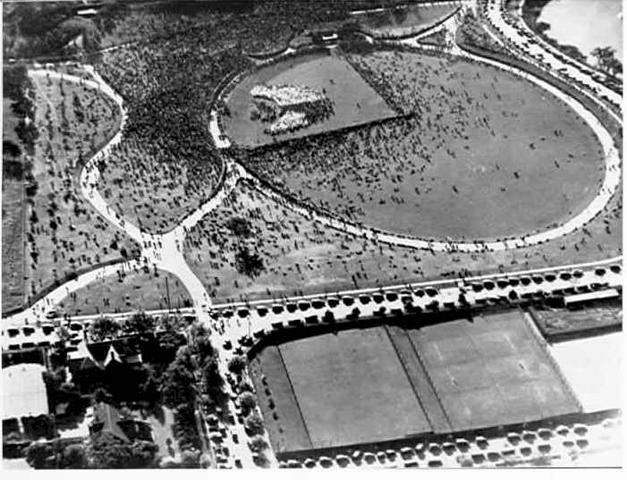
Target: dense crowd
[[166, 165], [461, 122]]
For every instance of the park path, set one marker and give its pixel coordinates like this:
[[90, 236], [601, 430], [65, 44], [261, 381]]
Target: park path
[[542, 50], [164, 251], [610, 185]]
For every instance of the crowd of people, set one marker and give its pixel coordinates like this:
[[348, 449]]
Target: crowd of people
[[302, 257], [166, 166], [64, 235], [466, 143]]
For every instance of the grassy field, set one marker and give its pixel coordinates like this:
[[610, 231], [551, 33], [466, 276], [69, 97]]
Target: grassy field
[[355, 102], [278, 403], [491, 371], [412, 19], [13, 212], [65, 233], [343, 383], [132, 292], [353, 386], [486, 155], [335, 389], [302, 257]]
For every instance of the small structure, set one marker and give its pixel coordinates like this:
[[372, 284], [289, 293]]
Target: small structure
[[580, 298], [24, 391], [108, 419]]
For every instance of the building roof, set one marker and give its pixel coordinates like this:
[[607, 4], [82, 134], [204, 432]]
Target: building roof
[[106, 419], [590, 296], [24, 391], [102, 353]]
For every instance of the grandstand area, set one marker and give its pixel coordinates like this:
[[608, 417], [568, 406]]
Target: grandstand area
[[355, 101], [384, 383]]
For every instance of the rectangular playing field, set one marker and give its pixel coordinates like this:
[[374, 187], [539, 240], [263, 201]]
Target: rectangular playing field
[[492, 371], [355, 102], [351, 388], [389, 382]]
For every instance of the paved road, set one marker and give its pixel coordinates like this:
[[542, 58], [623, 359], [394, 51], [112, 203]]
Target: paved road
[[164, 251]]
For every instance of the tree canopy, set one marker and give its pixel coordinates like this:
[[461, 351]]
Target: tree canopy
[[105, 450]]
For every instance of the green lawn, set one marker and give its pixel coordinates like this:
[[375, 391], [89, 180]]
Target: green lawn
[[487, 155], [491, 371], [133, 292], [13, 211], [301, 257], [67, 233], [278, 403], [350, 388]]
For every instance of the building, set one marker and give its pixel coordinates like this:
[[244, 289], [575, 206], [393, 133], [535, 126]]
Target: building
[[24, 391], [108, 419], [579, 299], [101, 355]]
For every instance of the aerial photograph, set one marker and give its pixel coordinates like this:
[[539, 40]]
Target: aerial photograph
[[317, 234]]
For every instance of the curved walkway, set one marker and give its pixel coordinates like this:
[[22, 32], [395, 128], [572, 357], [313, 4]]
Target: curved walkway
[[164, 251], [611, 182], [538, 48]]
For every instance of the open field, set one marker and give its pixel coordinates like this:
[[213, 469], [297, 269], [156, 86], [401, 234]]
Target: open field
[[276, 398], [354, 101], [406, 21], [343, 383], [65, 233], [13, 212], [591, 366], [301, 257], [491, 371], [137, 291], [358, 386], [486, 155]]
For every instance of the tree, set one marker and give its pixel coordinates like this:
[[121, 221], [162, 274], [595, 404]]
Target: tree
[[190, 458], [606, 60], [105, 450], [74, 457], [39, 455], [254, 424], [177, 385], [237, 364], [247, 401], [103, 328], [202, 342], [247, 263], [140, 323], [258, 444], [239, 226], [213, 379]]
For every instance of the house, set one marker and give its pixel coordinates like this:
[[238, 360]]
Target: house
[[108, 419], [101, 355]]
